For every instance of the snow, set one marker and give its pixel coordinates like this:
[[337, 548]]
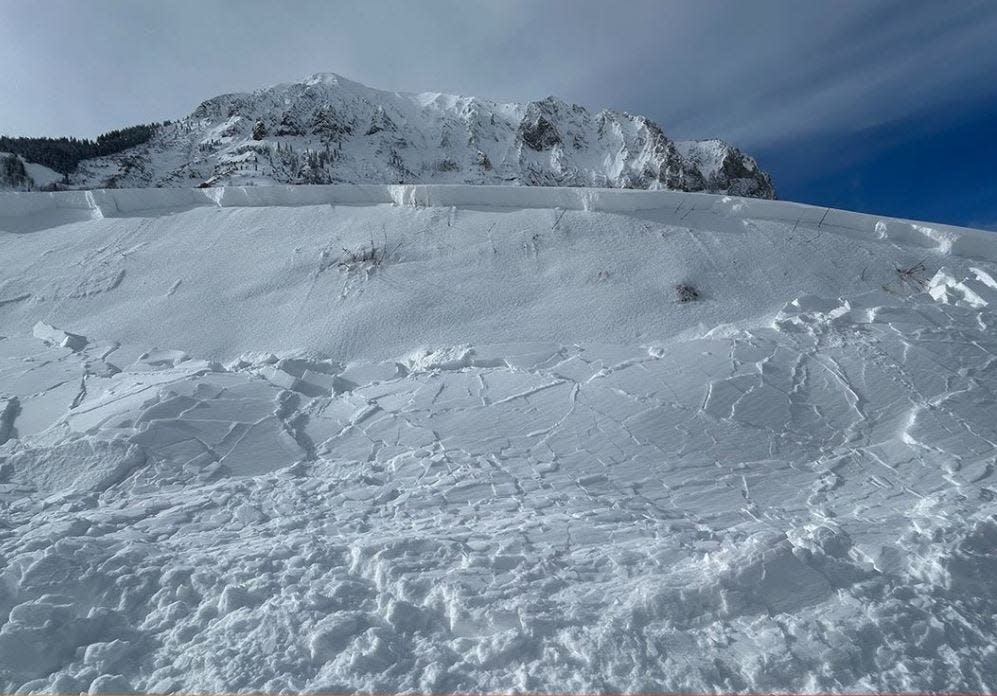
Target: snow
[[237, 452], [42, 175], [39, 176], [328, 129]]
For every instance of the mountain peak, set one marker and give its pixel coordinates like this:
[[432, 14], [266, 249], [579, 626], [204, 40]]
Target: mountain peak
[[334, 80], [327, 78]]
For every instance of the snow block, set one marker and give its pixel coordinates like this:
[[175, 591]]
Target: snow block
[[977, 292], [78, 465], [58, 337]]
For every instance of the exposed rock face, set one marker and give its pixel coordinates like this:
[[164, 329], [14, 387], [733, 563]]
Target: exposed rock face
[[328, 129], [726, 168], [535, 130]]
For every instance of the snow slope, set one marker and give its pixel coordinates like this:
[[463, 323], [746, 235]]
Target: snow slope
[[243, 451], [17, 174], [328, 129]]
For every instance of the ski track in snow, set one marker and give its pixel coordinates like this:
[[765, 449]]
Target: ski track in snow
[[765, 490]]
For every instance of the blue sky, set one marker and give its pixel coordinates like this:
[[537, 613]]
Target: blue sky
[[938, 166], [887, 106]]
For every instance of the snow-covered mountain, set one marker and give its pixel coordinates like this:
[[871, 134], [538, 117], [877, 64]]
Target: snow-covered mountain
[[328, 129], [490, 439]]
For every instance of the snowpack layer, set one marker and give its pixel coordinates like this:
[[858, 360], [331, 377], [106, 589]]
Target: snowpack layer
[[328, 129], [461, 438]]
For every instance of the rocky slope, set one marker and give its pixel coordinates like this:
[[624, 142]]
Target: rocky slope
[[328, 129]]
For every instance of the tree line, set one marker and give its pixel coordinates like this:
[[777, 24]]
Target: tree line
[[64, 154]]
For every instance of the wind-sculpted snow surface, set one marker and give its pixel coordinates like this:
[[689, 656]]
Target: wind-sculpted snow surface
[[786, 484]]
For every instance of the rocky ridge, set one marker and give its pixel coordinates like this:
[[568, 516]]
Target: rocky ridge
[[328, 129]]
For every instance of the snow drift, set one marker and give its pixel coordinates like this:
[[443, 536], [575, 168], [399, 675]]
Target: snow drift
[[472, 438]]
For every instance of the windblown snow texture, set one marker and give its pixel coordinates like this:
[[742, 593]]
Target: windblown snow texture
[[472, 439], [328, 129]]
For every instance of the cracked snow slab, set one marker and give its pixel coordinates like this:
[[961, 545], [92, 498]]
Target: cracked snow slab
[[506, 458], [808, 505]]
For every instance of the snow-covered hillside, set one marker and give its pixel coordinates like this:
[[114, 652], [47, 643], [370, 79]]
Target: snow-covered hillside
[[328, 129], [17, 174], [472, 438]]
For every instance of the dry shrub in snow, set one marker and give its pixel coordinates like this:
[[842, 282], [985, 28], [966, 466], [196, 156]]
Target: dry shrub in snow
[[684, 292]]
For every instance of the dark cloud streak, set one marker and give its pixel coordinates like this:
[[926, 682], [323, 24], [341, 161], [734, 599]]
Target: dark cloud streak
[[754, 72], [772, 76]]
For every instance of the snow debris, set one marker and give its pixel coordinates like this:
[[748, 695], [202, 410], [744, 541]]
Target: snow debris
[[58, 337], [482, 471]]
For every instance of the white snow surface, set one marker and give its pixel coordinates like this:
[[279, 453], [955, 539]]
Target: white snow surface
[[434, 438], [41, 175]]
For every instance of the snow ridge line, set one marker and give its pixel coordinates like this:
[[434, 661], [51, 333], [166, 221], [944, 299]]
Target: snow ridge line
[[120, 202], [101, 203], [112, 202]]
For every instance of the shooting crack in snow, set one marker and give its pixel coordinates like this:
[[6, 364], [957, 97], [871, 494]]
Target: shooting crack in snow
[[486, 469]]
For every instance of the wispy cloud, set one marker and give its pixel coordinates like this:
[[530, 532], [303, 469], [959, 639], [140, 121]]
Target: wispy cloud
[[756, 73], [991, 225], [765, 72]]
